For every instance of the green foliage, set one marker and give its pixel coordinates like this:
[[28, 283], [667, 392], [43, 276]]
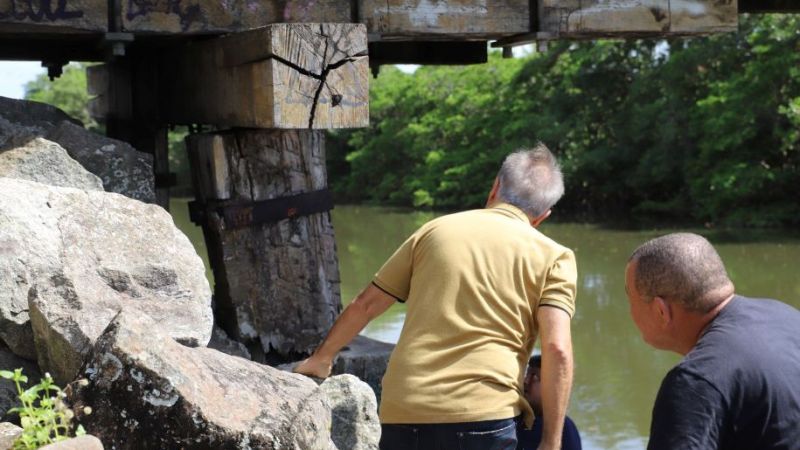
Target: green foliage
[[67, 92], [44, 417], [701, 130]]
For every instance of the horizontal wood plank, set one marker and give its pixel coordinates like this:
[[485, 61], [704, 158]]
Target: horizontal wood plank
[[620, 18], [464, 19], [59, 16]]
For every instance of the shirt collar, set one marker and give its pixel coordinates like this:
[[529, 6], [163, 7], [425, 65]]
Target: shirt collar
[[511, 211]]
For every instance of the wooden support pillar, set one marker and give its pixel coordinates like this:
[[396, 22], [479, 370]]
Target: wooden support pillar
[[126, 94], [261, 186], [274, 261]]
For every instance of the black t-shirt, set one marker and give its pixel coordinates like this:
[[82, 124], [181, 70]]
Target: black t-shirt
[[739, 387]]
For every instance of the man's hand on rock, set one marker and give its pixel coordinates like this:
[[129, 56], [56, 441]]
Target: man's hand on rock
[[314, 367]]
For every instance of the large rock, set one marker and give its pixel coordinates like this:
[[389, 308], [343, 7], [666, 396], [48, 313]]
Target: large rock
[[46, 162], [122, 168], [23, 120], [9, 397], [8, 434], [148, 392], [354, 412], [222, 342], [76, 257], [365, 358], [86, 442]]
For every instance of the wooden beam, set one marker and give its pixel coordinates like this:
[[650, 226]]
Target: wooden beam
[[277, 283], [214, 16], [620, 18], [769, 6], [427, 52], [288, 76], [447, 19], [61, 16]]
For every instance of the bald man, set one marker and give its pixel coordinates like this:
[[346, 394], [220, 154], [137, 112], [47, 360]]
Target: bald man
[[738, 385]]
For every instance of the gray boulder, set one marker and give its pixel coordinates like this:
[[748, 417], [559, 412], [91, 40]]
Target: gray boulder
[[86, 442], [8, 434], [23, 120], [222, 342], [354, 413], [46, 162], [148, 392], [365, 358], [122, 168], [9, 397], [76, 257]]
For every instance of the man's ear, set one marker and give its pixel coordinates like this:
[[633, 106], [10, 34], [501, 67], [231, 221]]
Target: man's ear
[[535, 222], [493, 193], [664, 311]]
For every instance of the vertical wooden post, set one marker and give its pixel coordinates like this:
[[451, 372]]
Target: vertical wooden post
[[128, 103], [277, 280]]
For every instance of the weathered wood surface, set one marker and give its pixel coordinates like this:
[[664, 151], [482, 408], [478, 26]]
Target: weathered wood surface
[[465, 19], [598, 18], [385, 19], [214, 16], [62, 16], [277, 284], [286, 76]]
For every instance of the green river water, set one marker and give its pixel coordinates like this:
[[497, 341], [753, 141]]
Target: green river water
[[616, 374]]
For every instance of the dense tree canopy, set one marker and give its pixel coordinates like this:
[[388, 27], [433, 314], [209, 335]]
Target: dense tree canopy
[[702, 130]]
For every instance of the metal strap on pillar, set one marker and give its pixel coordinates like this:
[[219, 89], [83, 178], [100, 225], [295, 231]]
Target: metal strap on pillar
[[266, 211]]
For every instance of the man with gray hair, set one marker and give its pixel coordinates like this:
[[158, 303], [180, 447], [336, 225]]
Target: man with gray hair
[[738, 385], [479, 287]]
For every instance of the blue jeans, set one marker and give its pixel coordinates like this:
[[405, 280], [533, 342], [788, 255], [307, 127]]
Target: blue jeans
[[486, 435]]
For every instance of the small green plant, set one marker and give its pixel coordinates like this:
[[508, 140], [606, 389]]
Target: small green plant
[[44, 416]]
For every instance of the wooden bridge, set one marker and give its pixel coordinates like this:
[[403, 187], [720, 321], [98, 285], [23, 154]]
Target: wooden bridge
[[267, 76]]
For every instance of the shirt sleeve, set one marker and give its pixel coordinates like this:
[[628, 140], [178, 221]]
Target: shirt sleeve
[[394, 277], [559, 287], [570, 438], [689, 414]]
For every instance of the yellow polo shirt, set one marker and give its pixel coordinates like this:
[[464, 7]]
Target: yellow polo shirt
[[472, 282]]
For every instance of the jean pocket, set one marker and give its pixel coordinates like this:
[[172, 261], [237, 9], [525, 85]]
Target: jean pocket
[[399, 437], [504, 438]]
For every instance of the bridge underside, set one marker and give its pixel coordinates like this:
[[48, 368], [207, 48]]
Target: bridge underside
[[398, 31]]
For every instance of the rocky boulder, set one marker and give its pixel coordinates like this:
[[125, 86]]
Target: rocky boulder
[[46, 162], [365, 358], [23, 120], [86, 442], [8, 434], [76, 257], [148, 392], [122, 168], [354, 413], [222, 342]]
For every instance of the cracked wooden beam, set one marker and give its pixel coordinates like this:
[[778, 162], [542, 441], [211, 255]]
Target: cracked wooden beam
[[287, 76]]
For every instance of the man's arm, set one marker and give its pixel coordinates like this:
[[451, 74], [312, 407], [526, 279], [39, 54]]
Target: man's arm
[[370, 303], [556, 375]]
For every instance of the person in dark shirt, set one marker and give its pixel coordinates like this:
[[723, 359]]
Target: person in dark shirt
[[738, 384], [529, 439]]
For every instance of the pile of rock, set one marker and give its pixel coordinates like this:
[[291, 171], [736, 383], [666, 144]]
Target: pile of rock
[[98, 284]]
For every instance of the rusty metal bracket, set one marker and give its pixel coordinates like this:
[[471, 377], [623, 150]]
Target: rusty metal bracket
[[240, 215]]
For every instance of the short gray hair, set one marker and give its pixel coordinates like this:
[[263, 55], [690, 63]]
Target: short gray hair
[[531, 180], [682, 268]]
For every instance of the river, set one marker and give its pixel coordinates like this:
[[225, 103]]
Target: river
[[616, 374]]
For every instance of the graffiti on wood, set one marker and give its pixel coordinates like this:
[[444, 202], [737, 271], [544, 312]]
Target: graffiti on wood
[[38, 10]]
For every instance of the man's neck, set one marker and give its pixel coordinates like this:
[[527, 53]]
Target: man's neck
[[698, 324]]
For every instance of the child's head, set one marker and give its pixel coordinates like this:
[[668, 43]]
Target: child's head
[[532, 384]]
